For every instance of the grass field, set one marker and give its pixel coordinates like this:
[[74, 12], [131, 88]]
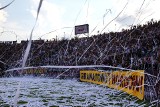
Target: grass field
[[45, 92]]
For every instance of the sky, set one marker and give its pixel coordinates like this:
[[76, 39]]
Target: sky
[[60, 17]]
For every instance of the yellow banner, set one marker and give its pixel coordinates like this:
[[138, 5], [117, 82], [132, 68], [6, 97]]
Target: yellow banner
[[131, 82]]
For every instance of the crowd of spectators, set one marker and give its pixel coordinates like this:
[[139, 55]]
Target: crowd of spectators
[[134, 48]]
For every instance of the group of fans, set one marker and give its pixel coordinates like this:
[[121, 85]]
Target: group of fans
[[137, 48], [134, 48]]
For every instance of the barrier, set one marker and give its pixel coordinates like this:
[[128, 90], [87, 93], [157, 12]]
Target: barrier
[[131, 82]]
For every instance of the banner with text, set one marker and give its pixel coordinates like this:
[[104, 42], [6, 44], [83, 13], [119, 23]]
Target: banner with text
[[131, 82]]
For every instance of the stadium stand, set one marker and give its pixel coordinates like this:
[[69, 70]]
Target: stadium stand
[[134, 48], [137, 48]]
